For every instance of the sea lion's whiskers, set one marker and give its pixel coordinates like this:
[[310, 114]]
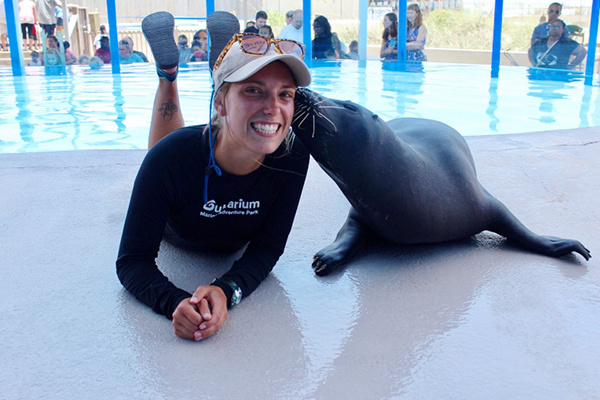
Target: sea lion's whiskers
[[333, 107], [306, 115], [298, 115], [324, 117]]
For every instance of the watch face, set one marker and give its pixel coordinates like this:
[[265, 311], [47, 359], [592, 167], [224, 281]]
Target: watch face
[[236, 297]]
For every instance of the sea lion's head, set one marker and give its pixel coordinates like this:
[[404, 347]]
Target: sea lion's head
[[319, 118]]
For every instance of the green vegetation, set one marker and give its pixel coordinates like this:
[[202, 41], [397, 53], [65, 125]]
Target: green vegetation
[[463, 30]]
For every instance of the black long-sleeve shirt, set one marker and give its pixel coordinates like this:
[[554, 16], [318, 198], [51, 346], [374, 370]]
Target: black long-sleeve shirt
[[168, 200]]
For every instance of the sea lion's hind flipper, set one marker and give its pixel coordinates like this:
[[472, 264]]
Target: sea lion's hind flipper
[[506, 224]]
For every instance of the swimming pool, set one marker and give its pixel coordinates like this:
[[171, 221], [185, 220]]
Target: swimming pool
[[86, 109]]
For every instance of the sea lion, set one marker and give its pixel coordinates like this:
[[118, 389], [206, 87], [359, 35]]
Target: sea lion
[[408, 180]]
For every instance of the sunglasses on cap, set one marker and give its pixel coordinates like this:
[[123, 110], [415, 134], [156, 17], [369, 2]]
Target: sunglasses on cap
[[256, 45]]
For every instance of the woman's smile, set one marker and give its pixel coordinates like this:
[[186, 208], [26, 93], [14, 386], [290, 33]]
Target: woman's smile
[[265, 129]]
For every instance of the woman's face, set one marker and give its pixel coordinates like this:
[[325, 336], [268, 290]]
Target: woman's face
[[411, 15], [387, 22], [258, 111], [51, 44], [124, 52], [318, 29]]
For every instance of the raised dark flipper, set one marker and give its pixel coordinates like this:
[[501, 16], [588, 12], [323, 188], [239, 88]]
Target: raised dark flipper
[[158, 29], [348, 240]]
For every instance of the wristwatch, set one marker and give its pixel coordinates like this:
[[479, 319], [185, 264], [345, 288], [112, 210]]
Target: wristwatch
[[236, 295]]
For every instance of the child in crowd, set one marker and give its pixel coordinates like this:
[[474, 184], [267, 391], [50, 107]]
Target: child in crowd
[[35, 60], [53, 58], [197, 52], [84, 60], [70, 58], [96, 62], [266, 31], [185, 53]]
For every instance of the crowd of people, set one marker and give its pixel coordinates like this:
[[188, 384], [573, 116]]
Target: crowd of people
[[551, 46]]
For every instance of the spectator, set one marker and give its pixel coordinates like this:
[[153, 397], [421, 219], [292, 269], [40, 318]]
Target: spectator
[[53, 57], [96, 62], [389, 44], [103, 52], [289, 16], [126, 56], [35, 59], [266, 31], [325, 44], [185, 53], [138, 53], [250, 24], [52, 42], [47, 15], [294, 30], [99, 36], [3, 29], [28, 18], [416, 34], [261, 20], [556, 50], [353, 50], [84, 60], [200, 36], [542, 31], [70, 58], [198, 52]]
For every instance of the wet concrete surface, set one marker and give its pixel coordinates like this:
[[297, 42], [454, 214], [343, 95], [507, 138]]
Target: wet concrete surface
[[474, 319]]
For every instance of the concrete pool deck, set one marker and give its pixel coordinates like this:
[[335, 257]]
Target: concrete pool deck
[[475, 319]]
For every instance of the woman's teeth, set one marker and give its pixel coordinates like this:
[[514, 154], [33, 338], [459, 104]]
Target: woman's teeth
[[268, 129]]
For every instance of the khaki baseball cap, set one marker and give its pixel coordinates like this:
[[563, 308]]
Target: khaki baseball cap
[[237, 65]]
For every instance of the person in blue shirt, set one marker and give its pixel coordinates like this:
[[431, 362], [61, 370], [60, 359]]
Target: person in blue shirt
[[556, 51], [126, 56]]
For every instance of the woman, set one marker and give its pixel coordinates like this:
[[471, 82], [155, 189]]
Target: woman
[[325, 45], [389, 44], [231, 184], [28, 18], [416, 34]]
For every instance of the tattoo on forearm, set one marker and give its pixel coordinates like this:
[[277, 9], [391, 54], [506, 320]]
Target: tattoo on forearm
[[168, 109]]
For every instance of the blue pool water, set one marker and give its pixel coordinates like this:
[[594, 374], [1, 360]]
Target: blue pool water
[[87, 109]]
